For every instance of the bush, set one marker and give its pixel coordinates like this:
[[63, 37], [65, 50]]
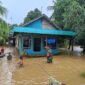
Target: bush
[[83, 75], [1, 42]]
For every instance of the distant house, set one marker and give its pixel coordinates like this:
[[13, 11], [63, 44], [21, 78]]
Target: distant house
[[38, 33], [11, 39]]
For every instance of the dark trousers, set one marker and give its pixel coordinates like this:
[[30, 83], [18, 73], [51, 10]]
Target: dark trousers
[[49, 59]]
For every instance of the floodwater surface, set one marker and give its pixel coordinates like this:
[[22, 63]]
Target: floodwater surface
[[6, 69], [66, 67]]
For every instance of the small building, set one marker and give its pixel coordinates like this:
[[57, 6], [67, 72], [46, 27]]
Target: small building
[[38, 33], [11, 39]]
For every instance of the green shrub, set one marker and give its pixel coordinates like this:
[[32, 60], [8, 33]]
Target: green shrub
[[83, 74]]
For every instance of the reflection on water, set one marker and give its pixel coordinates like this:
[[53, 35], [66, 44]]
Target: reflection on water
[[77, 52], [6, 69]]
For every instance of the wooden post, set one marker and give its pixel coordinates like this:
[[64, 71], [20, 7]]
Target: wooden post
[[46, 41], [69, 43], [72, 45], [20, 44], [84, 48]]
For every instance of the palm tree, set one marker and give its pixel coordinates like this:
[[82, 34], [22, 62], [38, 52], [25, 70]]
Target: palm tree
[[3, 24], [3, 10]]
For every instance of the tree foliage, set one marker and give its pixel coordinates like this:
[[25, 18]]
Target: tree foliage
[[32, 15], [70, 15], [3, 10], [4, 29]]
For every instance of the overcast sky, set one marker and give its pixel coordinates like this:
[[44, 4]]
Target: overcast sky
[[18, 9]]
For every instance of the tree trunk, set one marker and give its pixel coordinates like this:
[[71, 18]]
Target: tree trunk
[[69, 44], [84, 49], [72, 45]]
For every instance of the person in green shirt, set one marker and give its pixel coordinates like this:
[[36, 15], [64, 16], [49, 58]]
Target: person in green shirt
[[49, 54]]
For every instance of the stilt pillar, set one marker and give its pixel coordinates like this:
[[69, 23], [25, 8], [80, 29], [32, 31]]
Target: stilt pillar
[[72, 45], [69, 44]]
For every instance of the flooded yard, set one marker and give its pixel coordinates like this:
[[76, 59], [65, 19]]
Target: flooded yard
[[66, 67]]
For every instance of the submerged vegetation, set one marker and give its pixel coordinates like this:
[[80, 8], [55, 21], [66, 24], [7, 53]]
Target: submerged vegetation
[[82, 74]]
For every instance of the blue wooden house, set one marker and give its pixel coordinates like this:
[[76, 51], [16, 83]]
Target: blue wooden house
[[38, 33]]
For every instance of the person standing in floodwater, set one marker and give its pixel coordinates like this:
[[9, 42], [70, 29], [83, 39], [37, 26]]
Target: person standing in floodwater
[[21, 60], [2, 50], [49, 54]]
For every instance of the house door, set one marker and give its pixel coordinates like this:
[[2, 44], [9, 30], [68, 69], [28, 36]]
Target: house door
[[37, 44]]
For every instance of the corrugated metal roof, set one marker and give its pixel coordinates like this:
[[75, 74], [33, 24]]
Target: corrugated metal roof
[[42, 31]]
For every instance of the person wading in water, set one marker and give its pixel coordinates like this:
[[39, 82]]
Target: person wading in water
[[49, 54]]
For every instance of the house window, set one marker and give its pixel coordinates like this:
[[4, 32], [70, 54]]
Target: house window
[[50, 42], [26, 42]]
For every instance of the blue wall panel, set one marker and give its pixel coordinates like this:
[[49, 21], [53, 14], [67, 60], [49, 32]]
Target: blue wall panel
[[36, 24]]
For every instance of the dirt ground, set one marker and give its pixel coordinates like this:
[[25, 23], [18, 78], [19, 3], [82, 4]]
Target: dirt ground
[[65, 68]]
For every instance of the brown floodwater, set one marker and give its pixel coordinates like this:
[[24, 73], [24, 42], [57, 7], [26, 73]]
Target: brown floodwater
[[66, 67], [7, 68]]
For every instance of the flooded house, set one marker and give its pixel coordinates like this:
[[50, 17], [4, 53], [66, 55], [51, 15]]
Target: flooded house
[[38, 33]]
